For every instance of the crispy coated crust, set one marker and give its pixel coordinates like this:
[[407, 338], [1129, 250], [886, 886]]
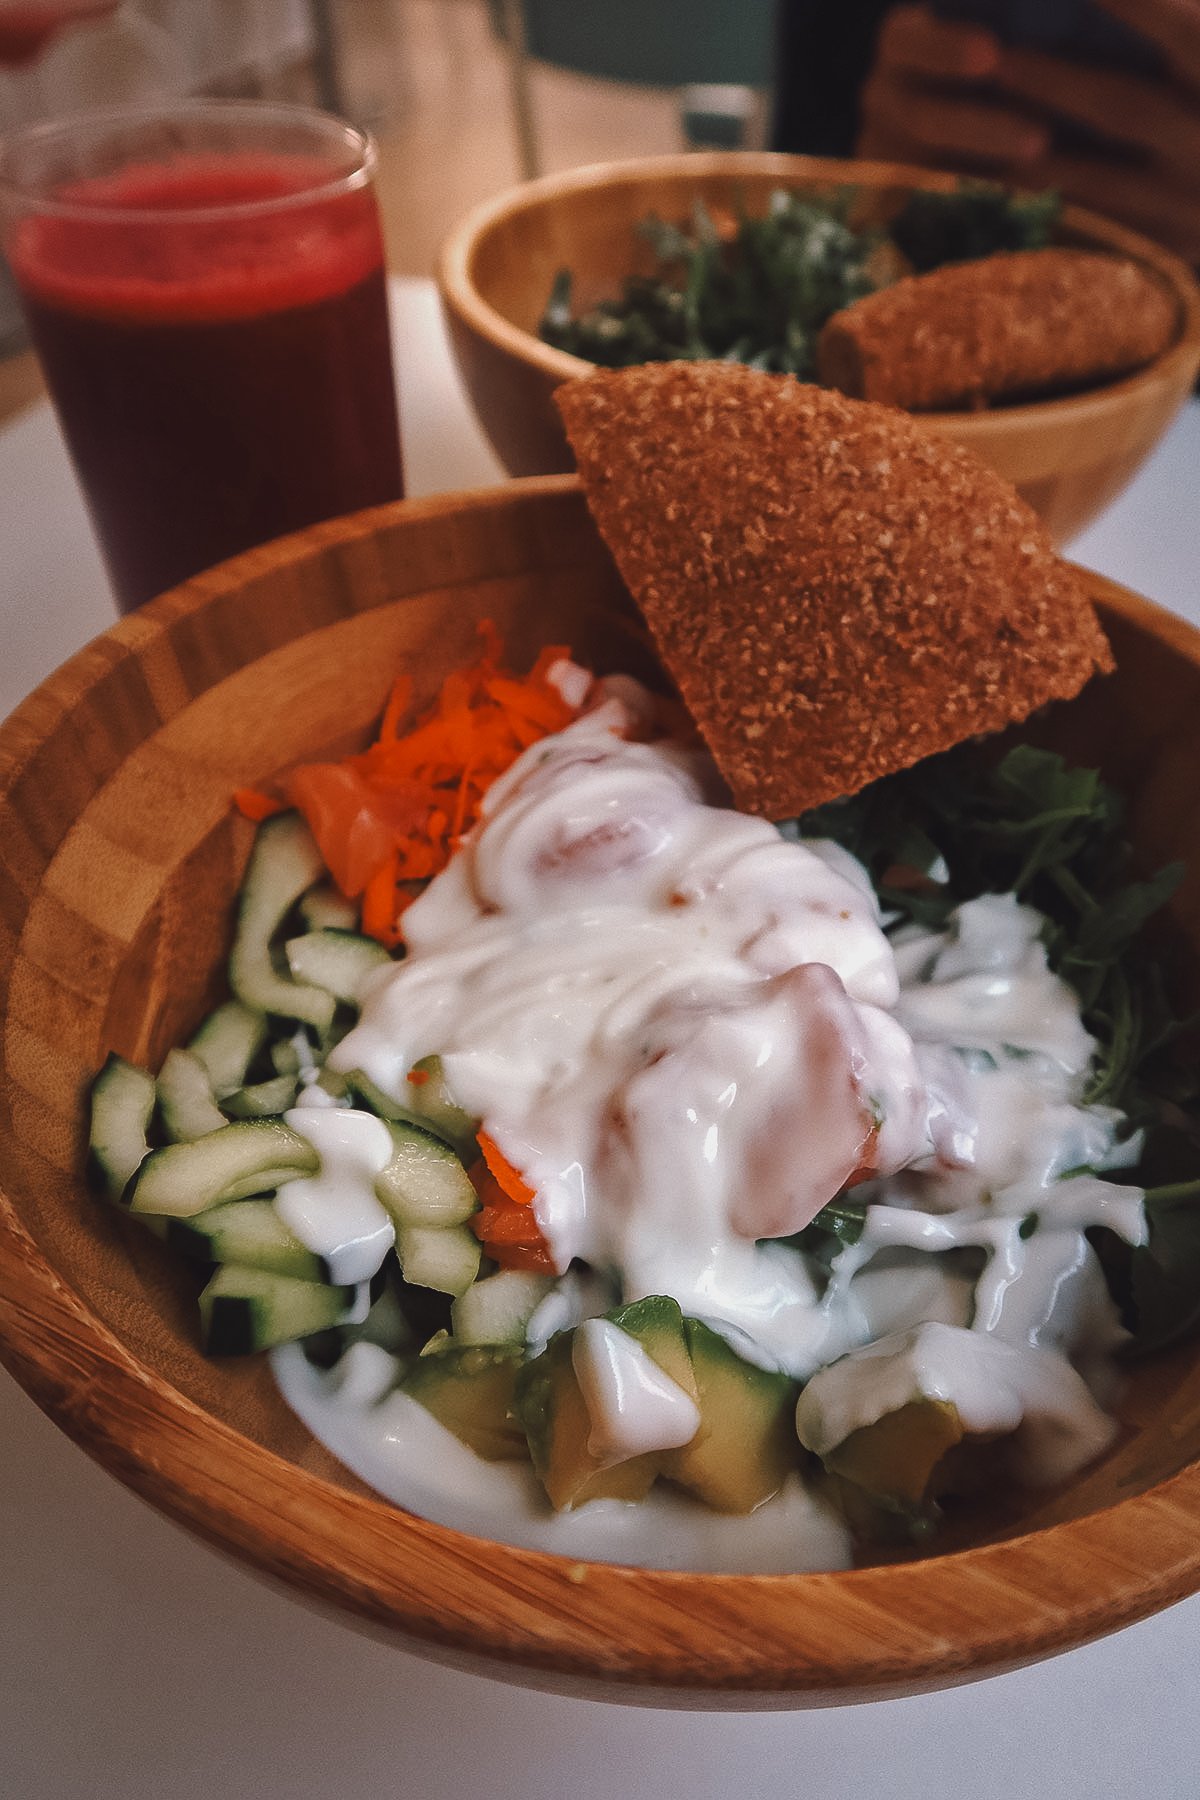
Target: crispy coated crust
[[836, 593], [1032, 322]]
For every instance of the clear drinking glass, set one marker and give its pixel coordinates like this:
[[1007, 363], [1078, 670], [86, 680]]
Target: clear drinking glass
[[205, 288]]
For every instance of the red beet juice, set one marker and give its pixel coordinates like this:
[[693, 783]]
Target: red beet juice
[[214, 334]]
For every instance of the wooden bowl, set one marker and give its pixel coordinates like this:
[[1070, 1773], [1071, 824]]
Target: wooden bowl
[[1068, 457], [121, 860]]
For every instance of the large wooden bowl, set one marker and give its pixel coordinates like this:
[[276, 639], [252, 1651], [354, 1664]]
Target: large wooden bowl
[[1068, 457], [121, 859]]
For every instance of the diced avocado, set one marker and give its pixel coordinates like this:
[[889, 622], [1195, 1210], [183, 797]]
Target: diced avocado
[[895, 1458], [746, 1445], [659, 1327], [469, 1389], [549, 1404]]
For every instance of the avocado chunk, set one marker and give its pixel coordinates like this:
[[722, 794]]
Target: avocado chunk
[[746, 1445], [895, 1459], [550, 1405], [469, 1389]]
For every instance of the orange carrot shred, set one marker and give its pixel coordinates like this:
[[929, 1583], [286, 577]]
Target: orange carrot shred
[[254, 805], [417, 1077], [396, 812], [379, 905], [510, 1180]]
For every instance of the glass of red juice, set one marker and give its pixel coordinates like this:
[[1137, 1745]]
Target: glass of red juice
[[205, 289]]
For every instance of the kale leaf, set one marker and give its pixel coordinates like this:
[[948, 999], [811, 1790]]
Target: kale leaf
[[976, 219]]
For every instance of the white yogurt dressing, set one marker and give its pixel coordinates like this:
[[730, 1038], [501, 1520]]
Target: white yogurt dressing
[[689, 1034]]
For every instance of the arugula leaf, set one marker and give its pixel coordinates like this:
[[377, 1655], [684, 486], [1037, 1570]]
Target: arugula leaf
[[977, 219], [761, 295], [758, 297]]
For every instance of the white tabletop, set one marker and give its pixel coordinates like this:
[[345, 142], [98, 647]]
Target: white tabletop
[[136, 1664]]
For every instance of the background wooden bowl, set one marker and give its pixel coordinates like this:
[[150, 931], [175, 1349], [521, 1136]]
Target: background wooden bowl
[[121, 860], [1068, 457]]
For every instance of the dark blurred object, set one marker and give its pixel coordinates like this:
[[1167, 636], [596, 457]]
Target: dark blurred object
[[978, 220], [824, 53], [1079, 30]]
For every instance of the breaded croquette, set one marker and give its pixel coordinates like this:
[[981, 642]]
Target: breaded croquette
[[836, 592], [1033, 322]]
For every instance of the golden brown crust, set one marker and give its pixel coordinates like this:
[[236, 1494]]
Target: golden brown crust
[[1032, 322], [836, 593]]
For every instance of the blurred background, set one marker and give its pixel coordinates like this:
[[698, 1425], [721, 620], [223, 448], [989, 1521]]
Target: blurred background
[[459, 112]]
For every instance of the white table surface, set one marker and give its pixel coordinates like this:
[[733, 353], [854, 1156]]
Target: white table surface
[[135, 1664]]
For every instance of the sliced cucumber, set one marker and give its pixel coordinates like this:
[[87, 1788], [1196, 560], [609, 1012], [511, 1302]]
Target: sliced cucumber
[[443, 1258], [283, 863], [227, 1043], [123, 1098], [324, 908], [264, 1100], [340, 961], [497, 1309], [286, 1058], [185, 1098], [243, 1310], [424, 1183], [254, 1157], [426, 1103], [248, 1232]]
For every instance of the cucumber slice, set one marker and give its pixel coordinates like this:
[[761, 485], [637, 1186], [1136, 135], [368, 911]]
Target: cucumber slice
[[265, 1100], [340, 961], [243, 1310], [324, 908], [424, 1183], [227, 1043], [426, 1103], [285, 1057], [123, 1098], [443, 1258], [250, 1233], [185, 1098], [231, 1164], [283, 863], [497, 1309]]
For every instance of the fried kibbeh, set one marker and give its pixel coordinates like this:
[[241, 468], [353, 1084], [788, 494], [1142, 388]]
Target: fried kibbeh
[[836, 593], [1017, 324]]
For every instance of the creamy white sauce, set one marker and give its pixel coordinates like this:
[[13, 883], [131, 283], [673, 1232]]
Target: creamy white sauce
[[689, 1033], [633, 1406], [406, 1455], [335, 1213]]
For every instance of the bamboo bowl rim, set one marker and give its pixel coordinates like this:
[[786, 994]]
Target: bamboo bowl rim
[[702, 1639], [457, 257]]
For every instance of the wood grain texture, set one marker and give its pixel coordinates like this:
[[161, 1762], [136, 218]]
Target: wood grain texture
[[120, 863], [1067, 457]]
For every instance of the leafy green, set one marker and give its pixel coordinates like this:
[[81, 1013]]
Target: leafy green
[[758, 297], [958, 826], [761, 295], [1055, 837], [977, 219]]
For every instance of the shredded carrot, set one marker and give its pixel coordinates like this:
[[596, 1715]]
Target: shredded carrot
[[379, 913], [509, 1180], [506, 1224], [417, 1077], [395, 813], [257, 806]]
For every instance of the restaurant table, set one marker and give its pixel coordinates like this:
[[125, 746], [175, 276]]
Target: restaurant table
[[137, 1664]]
